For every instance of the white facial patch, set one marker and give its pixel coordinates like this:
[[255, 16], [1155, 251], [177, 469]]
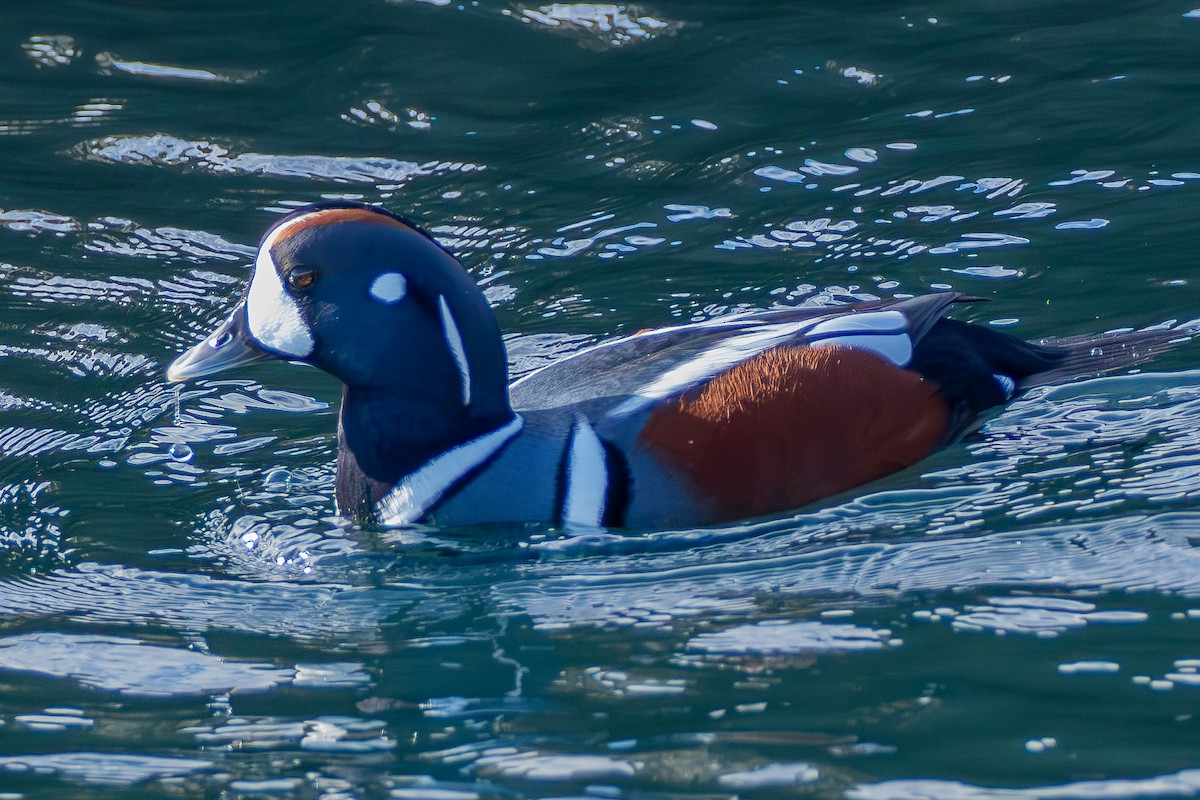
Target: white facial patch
[[389, 288], [275, 320], [455, 343]]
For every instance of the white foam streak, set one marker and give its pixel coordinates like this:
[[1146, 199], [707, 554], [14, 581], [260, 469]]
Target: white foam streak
[[1185, 783]]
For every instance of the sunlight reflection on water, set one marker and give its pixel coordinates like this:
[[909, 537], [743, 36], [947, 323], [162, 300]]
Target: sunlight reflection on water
[[1015, 617]]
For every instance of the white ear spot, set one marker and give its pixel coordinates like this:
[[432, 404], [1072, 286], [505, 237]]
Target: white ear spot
[[389, 288], [275, 320], [457, 351]]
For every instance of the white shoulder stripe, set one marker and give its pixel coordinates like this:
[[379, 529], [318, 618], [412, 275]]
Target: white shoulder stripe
[[455, 342], [861, 322], [895, 347], [586, 478], [884, 333], [408, 501], [709, 363]]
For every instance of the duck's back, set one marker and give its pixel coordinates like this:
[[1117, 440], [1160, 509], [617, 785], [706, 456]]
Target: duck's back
[[745, 416]]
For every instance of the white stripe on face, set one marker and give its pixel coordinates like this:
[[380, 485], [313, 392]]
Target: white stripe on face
[[455, 342], [275, 320]]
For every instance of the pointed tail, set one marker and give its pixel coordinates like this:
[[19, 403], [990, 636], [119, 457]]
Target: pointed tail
[[1077, 357]]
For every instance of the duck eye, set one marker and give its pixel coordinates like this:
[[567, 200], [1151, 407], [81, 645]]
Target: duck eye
[[301, 277]]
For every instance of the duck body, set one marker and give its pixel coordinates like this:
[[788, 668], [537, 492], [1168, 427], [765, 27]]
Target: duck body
[[735, 417]]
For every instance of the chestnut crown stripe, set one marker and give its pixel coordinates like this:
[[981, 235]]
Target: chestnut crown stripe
[[328, 216], [275, 320]]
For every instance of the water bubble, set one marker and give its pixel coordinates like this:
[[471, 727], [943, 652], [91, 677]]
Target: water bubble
[[180, 452], [278, 477], [1041, 745], [1096, 351]]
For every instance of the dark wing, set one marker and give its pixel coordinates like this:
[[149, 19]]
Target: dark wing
[[634, 372]]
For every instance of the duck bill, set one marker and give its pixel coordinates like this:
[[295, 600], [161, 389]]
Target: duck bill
[[227, 347]]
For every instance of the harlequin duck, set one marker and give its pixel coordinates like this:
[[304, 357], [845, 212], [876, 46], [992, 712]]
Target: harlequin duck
[[735, 417]]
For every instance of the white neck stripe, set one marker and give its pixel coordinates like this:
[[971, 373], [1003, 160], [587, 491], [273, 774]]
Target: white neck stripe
[[586, 478], [455, 342], [417, 492]]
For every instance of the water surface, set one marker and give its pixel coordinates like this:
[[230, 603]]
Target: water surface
[[183, 615]]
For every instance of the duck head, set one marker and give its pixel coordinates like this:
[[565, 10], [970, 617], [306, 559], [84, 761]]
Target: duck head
[[374, 301]]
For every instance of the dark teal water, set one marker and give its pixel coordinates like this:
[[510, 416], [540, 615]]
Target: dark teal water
[[181, 614]]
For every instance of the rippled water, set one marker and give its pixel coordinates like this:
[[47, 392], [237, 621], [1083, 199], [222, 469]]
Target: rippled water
[[181, 613]]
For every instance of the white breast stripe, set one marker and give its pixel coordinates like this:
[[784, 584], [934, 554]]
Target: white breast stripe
[[455, 342], [586, 479], [274, 318], [707, 364], [408, 501]]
